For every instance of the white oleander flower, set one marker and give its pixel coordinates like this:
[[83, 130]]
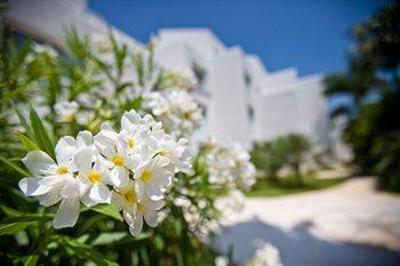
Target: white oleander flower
[[66, 111], [54, 181], [177, 153], [93, 177], [147, 137], [153, 177], [136, 206], [221, 261], [133, 174], [117, 158], [232, 203], [176, 109], [41, 49], [135, 134], [266, 255], [44, 49], [231, 166]]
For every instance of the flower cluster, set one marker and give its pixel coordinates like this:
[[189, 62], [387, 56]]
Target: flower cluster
[[230, 166], [176, 108], [266, 255], [130, 169]]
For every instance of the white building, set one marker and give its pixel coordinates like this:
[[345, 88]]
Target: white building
[[243, 101]]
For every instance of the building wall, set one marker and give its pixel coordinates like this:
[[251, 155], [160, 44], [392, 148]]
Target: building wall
[[228, 115]]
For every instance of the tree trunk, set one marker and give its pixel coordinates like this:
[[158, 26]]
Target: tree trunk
[[297, 174]]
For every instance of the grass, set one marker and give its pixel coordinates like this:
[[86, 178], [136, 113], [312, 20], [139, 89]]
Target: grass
[[264, 187]]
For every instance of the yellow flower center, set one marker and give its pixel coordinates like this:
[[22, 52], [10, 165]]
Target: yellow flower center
[[130, 196], [146, 176], [62, 169], [131, 143], [188, 115], [139, 207], [69, 118], [94, 176], [118, 160], [164, 153]]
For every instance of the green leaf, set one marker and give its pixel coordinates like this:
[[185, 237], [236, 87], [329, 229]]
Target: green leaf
[[108, 238], [118, 238], [145, 255], [9, 211], [24, 123], [27, 142], [108, 210], [137, 103], [10, 226], [40, 133], [31, 260], [13, 228], [27, 218], [14, 166], [88, 253]]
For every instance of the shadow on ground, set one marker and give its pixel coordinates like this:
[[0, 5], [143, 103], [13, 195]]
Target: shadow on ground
[[299, 247]]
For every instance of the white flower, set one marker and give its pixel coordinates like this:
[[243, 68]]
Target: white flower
[[266, 255], [66, 111], [230, 204], [136, 206], [176, 109], [131, 169], [116, 156], [135, 133], [221, 261], [230, 166], [54, 181], [44, 49], [93, 178], [153, 177], [177, 153]]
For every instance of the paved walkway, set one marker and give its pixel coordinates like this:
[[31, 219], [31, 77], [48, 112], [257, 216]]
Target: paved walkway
[[350, 224]]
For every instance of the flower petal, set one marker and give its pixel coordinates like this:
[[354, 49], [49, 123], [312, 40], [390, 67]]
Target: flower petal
[[129, 120], [117, 201], [65, 149], [99, 193], [151, 217], [119, 176], [67, 214], [39, 163], [153, 192], [70, 188], [31, 186], [83, 160], [50, 198], [84, 138], [136, 228]]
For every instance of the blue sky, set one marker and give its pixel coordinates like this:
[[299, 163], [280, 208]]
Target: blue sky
[[309, 35]]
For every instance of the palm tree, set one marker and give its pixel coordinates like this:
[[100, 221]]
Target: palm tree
[[297, 149]]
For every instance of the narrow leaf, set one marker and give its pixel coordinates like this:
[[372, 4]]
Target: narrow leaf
[[13, 228], [28, 144], [14, 166], [88, 253], [40, 132], [24, 123], [108, 210], [31, 260], [9, 211]]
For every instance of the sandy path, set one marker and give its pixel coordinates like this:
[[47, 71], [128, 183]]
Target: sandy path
[[316, 228]]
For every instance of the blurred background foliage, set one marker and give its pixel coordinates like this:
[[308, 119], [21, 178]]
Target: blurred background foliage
[[289, 164], [373, 82]]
